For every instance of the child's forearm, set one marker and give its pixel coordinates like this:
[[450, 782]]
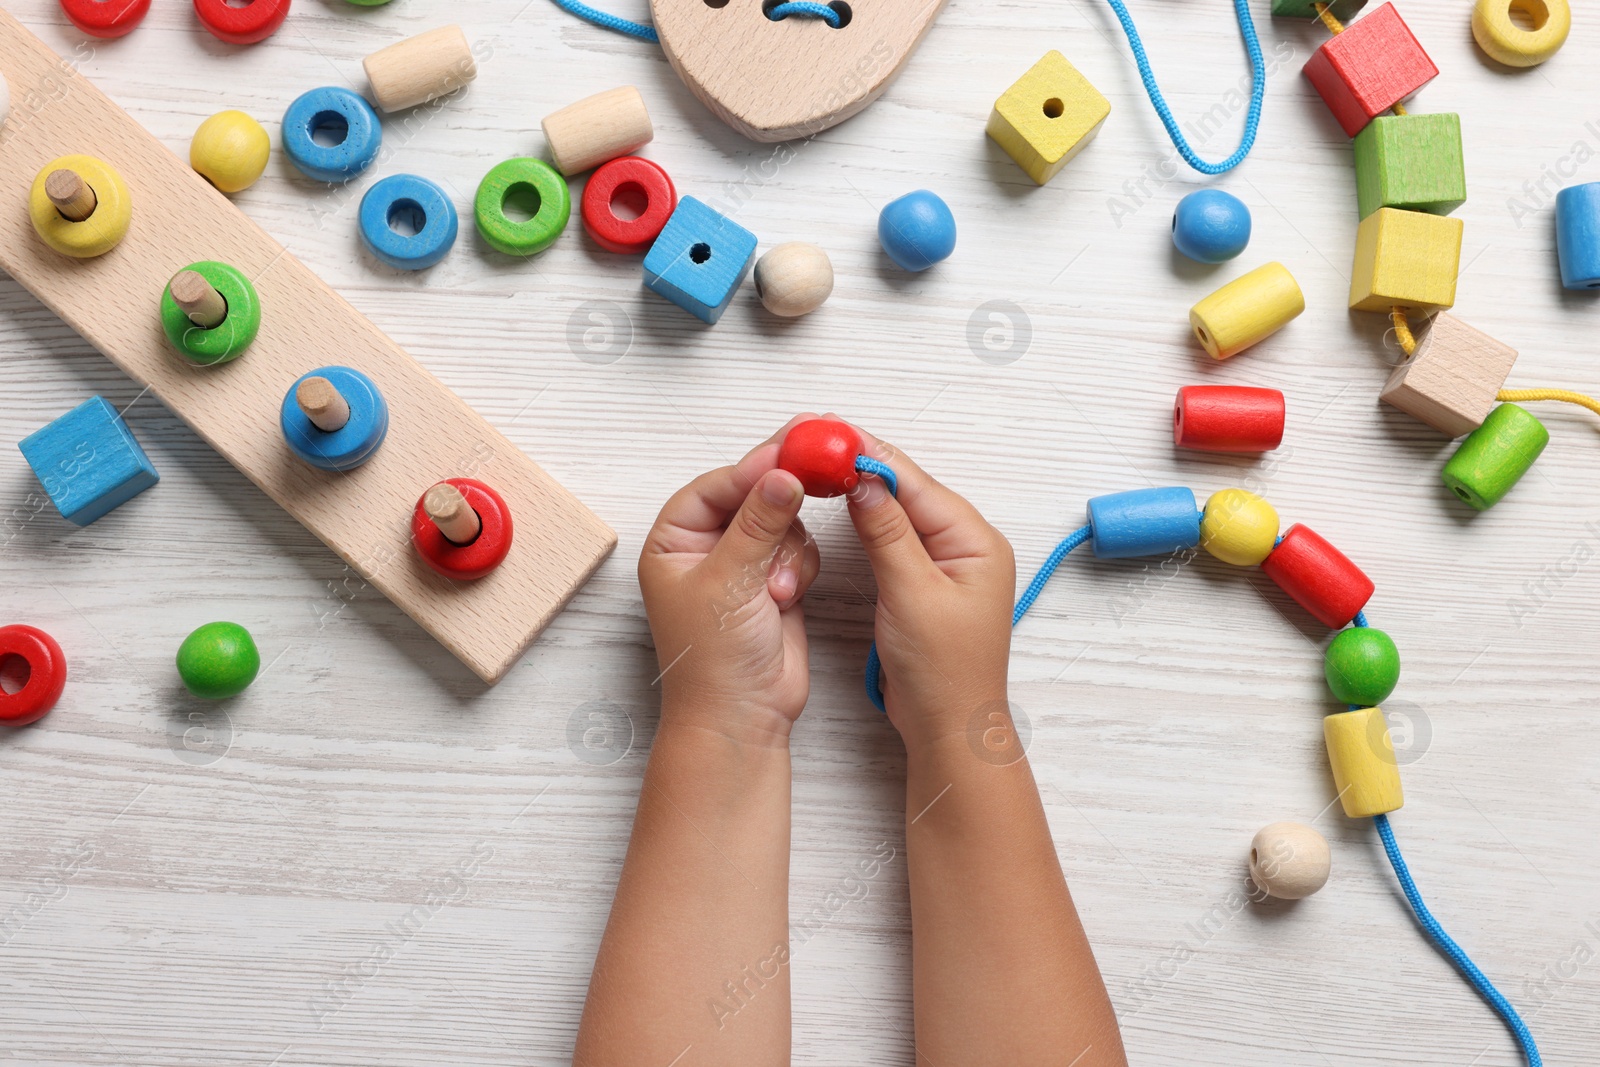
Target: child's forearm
[[1002, 971], [695, 954]]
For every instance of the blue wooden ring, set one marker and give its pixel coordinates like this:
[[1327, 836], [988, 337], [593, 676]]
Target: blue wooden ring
[[319, 109], [407, 192], [352, 444]]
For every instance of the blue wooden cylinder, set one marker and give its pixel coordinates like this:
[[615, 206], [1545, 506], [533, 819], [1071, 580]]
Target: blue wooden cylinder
[[1143, 522], [1578, 235], [353, 443]]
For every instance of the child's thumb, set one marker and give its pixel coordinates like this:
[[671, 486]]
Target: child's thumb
[[892, 543], [753, 537]]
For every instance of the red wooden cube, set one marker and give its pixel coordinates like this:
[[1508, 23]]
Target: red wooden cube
[[1369, 68]]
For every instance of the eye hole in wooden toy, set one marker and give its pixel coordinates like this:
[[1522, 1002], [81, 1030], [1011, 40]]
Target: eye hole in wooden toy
[[1529, 14], [1054, 108], [521, 202], [329, 129], [407, 218], [629, 201], [700, 252], [15, 671]]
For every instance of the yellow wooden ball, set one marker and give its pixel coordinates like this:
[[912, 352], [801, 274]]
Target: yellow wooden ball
[[1521, 33], [1238, 527], [230, 150]]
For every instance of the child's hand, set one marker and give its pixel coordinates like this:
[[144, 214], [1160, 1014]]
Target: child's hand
[[945, 583], [723, 572]]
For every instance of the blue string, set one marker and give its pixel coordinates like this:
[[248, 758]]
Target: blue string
[[609, 21], [1457, 955], [806, 9], [1258, 88], [868, 465]]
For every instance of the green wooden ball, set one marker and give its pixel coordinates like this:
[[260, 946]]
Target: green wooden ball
[[1362, 666], [218, 660]]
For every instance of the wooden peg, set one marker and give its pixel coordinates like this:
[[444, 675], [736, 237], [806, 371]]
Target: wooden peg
[[199, 300], [450, 512], [70, 194], [322, 404]]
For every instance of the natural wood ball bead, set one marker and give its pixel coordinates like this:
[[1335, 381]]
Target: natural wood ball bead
[[794, 278], [1289, 860]]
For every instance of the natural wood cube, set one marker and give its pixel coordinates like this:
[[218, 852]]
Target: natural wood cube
[[1411, 162], [1047, 117], [1451, 380], [1405, 259]]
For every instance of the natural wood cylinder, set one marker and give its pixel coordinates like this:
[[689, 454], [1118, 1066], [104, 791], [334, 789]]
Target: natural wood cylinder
[[70, 194], [450, 512], [322, 404], [205, 306], [597, 128], [420, 68]]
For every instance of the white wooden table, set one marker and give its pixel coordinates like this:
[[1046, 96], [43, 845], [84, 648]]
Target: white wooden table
[[371, 858]]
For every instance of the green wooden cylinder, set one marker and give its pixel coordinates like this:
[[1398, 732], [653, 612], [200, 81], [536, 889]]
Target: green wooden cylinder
[[1495, 456]]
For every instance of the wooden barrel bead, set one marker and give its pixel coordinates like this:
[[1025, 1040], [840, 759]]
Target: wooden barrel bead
[[334, 418], [1228, 418], [1289, 860], [1143, 522], [99, 18], [1365, 770], [1362, 666], [1238, 527], [1578, 235], [628, 178], [1506, 41], [254, 22], [88, 188], [476, 556], [225, 340], [822, 454], [794, 279], [230, 151], [1247, 310], [1318, 576], [421, 68], [47, 674], [1495, 456], [598, 128]]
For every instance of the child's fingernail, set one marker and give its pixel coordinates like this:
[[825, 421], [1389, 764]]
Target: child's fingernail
[[784, 583], [778, 490], [870, 492]]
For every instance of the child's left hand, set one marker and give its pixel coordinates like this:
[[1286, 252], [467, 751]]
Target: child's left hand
[[723, 572]]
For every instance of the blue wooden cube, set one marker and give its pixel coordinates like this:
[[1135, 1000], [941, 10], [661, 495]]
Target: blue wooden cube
[[88, 461], [1578, 235], [699, 259]]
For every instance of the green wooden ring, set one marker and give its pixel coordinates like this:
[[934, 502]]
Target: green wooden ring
[[539, 232], [228, 339]]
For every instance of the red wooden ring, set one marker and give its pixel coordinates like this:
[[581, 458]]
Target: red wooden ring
[[108, 18], [1318, 576], [484, 553], [47, 674], [627, 236], [1228, 418], [822, 454], [242, 25]]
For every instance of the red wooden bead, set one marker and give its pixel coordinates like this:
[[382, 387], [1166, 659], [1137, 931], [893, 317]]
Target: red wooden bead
[[628, 176], [480, 556], [1318, 576], [47, 674], [106, 18], [1369, 68], [256, 21], [822, 454], [1228, 418]]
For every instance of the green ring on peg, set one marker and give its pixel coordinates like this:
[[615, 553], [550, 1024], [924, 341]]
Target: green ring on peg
[[228, 339], [1362, 666], [539, 232]]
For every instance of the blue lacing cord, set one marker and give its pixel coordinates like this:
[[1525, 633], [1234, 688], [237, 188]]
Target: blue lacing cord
[[1258, 89], [868, 465], [1463, 962], [806, 9], [801, 8]]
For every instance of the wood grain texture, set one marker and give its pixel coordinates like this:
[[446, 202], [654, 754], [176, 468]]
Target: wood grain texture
[[1451, 380]]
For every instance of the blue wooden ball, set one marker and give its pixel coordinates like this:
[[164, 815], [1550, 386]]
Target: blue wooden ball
[[917, 230], [1211, 226]]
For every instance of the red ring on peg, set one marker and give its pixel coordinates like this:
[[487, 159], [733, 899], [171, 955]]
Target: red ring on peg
[[242, 25], [114, 18], [822, 454], [1228, 418], [477, 558], [627, 236], [47, 674]]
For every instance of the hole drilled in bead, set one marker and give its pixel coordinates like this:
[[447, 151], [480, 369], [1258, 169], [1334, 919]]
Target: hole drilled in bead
[[521, 202], [1054, 108], [407, 218], [629, 201], [699, 253], [1253, 857], [1199, 331], [1462, 493], [238, 3], [329, 129], [15, 671], [1529, 14]]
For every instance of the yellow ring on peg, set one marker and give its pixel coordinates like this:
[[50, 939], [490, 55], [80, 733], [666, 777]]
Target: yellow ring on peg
[[103, 229], [1507, 42]]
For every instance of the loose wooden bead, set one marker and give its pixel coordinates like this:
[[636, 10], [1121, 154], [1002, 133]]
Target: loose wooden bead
[[339, 115], [917, 230], [1362, 666], [1405, 259], [423, 207], [1143, 522], [1369, 68], [1228, 418], [218, 660], [47, 674], [822, 454], [597, 128], [793, 279], [1450, 381], [1047, 117], [1211, 226], [699, 260], [256, 21], [99, 18], [1578, 235], [1247, 310], [1411, 162], [1238, 527], [628, 177], [1506, 41], [549, 218], [1365, 770], [88, 461], [1495, 456], [1343, 10], [103, 193], [420, 68], [1318, 576], [1289, 860], [228, 339], [230, 151], [334, 418], [472, 559]]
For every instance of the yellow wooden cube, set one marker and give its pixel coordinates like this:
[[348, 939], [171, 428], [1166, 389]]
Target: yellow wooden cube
[[1405, 259], [1047, 116]]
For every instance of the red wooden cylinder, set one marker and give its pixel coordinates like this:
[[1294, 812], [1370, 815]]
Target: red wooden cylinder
[[1318, 576], [640, 177], [822, 454], [256, 21], [47, 674], [106, 19], [1228, 418], [480, 556]]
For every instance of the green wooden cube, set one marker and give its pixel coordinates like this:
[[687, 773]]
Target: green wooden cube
[[1411, 162], [1343, 10]]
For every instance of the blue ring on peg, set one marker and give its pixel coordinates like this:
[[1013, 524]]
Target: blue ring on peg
[[326, 109], [400, 193], [352, 444]]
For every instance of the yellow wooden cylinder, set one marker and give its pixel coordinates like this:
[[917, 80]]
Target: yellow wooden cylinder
[[1238, 527], [1247, 310], [1364, 767]]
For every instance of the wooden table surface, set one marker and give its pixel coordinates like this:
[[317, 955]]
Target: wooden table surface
[[370, 858]]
